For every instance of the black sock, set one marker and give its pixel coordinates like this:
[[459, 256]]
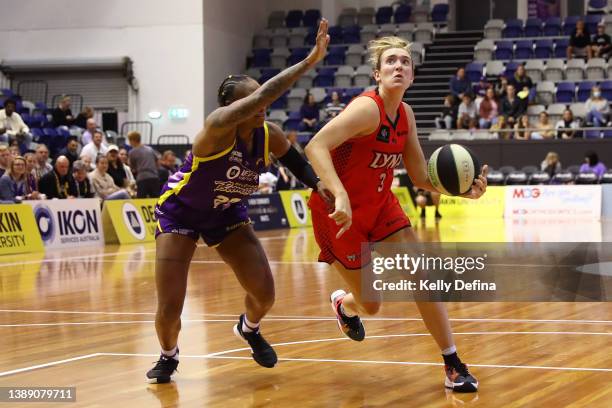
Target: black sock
[[452, 360]]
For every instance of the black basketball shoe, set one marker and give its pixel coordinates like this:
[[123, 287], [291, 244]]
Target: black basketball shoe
[[459, 379], [262, 352], [350, 326], [163, 371]]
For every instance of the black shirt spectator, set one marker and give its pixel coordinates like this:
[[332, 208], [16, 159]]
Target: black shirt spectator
[[81, 181], [81, 119], [115, 167], [459, 84], [71, 150], [512, 107], [62, 115], [59, 182], [601, 44], [580, 41]]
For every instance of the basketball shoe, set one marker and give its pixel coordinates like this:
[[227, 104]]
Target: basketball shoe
[[350, 326], [459, 379], [261, 351], [163, 371]]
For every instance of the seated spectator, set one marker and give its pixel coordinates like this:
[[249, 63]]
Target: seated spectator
[[601, 45], [597, 108], [103, 184], [480, 89], [143, 162], [500, 88], [81, 119], [95, 147], [448, 116], [123, 156], [544, 129], [267, 183], [14, 184], [86, 159], [488, 109], [551, 164], [30, 159], [459, 84], [592, 164], [499, 128], [310, 114], [71, 151], [42, 166], [14, 150], [512, 108], [13, 128], [580, 42], [91, 128], [521, 128], [5, 159], [466, 113], [62, 115], [115, 167], [334, 107], [567, 125], [168, 161], [523, 85], [81, 181], [59, 182]]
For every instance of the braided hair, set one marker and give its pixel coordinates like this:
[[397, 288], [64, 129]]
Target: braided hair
[[226, 90]]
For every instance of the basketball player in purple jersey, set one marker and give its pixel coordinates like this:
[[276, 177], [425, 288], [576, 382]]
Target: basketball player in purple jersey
[[205, 198]]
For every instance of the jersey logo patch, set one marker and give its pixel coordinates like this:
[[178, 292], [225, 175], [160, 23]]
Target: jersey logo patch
[[383, 134]]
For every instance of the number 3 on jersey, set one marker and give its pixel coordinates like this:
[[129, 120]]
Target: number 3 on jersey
[[381, 186]]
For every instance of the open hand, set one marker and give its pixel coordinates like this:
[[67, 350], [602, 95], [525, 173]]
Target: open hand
[[320, 49], [480, 185]]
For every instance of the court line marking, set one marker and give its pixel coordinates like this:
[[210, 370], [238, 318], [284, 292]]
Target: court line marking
[[316, 318], [51, 363]]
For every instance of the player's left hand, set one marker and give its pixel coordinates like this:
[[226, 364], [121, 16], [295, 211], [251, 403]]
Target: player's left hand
[[480, 185], [326, 195]]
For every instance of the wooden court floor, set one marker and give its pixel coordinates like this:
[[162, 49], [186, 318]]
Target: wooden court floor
[[84, 318]]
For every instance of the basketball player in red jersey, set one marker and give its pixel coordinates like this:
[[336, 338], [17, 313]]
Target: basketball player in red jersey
[[354, 155]]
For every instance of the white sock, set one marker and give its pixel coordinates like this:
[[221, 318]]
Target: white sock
[[447, 352], [171, 353], [249, 327]]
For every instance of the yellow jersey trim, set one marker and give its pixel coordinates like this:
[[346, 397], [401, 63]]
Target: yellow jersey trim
[[266, 145], [194, 166]]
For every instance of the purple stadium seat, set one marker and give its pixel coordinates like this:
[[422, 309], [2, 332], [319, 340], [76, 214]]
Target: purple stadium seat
[[311, 17], [514, 28], [584, 90], [552, 26], [592, 134], [293, 121], [439, 13], [267, 73], [503, 50], [561, 45], [511, 68], [473, 71], [570, 24], [383, 15], [325, 77], [524, 49], [591, 21], [543, 48], [311, 37], [606, 89], [533, 27], [335, 56], [566, 92], [335, 34], [261, 57], [37, 134], [402, 14], [280, 103], [352, 34], [298, 54], [294, 18]]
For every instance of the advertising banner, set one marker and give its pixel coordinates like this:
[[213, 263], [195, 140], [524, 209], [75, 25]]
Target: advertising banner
[[68, 223], [130, 221], [18, 232], [553, 201], [266, 212], [295, 203]]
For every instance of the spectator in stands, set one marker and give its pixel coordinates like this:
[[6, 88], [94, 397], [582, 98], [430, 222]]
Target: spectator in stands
[[91, 128], [334, 107], [512, 107], [480, 89], [86, 159], [310, 114], [168, 161], [267, 183], [14, 150], [544, 129], [30, 159], [523, 85], [292, 136], [521, 128], [448, 116], [5, 159], [499, 128], [597, 108], [459, 84], [551, 164], [14, 186], [592, 164], [62, 115], [601, 45], [83, 117], [500, 88], [95, 147], [81, 181], [580, 42], [567, 125], [123, 156], [13, 128], [59, 182], [488, 109], [42, 162], [103, 184], [115, 167], [467, 112], [71, 151], [143, 163]]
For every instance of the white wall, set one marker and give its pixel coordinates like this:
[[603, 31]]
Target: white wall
[[164, 39]]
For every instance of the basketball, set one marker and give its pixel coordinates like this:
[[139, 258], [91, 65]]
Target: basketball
[[452, 169]]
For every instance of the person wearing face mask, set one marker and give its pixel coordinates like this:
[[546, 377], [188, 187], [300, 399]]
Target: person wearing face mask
[[597, 108]]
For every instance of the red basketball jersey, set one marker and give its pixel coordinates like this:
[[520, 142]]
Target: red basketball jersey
[[365, 164]]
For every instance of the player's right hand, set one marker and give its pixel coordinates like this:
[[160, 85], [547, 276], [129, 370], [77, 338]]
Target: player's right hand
[[342, 214], [320, 49]]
